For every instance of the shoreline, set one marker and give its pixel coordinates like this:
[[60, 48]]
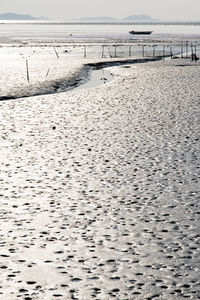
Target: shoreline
[[82, 77]]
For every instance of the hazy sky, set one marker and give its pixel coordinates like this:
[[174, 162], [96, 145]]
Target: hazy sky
[[68, 9]]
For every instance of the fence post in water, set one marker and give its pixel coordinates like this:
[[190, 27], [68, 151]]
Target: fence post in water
[[182, 50], [192, 55], [129, 51], [186, 47], [115, 50], [27, 71], [102, 51], [191, 49], [171, 52], [163, 52], [154, 50], [143, 50], [85, 51]]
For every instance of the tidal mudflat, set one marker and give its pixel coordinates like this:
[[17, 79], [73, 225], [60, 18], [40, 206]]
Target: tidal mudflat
[[99, 189]]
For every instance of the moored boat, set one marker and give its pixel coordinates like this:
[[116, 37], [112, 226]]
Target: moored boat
[[140, 32]]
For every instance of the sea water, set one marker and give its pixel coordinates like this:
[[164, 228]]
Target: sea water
[[28, 32]]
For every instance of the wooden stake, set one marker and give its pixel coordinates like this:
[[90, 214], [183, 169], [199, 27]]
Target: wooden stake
[[154, 51], [143, 51], [191, 49], [163, 52], [186, 47], [181, 50], [85, 54], [115, 50], [56, 53], [27, 71], [102, 51], [129, 51], [171, 53]]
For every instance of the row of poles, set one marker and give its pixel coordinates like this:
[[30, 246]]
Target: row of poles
[[184, 50]]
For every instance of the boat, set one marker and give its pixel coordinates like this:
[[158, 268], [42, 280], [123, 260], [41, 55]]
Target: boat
[[140, 32]]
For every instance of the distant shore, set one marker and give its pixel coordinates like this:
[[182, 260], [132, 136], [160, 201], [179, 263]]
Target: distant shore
[[56, 22]]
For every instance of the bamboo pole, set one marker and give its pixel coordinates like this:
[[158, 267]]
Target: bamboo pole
[[171, 52], [56, 53], [163, 52], [102, 51], [182, 50], [154, 50], [27, 71], [47, 72], [186, 47], [85, 54], [143, 50], [129, 51], [191, 49]]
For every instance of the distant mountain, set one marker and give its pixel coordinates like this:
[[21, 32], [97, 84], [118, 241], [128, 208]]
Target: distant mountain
[[132, 18], [139, 18], [108, 19], [13, 16]]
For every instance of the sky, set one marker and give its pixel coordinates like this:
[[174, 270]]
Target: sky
[[172, 10]]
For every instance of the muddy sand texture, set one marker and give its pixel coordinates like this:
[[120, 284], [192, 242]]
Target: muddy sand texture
[[99, 189]]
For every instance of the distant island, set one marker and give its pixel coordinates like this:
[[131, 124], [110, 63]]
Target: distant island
[[107, 19], [14, 16], [135, 19], [132, 18], [140, 18]]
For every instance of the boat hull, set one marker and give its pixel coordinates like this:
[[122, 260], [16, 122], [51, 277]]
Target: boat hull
[[140, 32]]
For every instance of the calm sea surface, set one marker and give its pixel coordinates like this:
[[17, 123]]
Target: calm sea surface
[[10, 32]]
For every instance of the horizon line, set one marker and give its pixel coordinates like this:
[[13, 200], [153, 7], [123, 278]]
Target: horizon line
[[80, 21]]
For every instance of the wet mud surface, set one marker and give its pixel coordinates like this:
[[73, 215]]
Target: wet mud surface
[[100, 189], [47, 74]]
